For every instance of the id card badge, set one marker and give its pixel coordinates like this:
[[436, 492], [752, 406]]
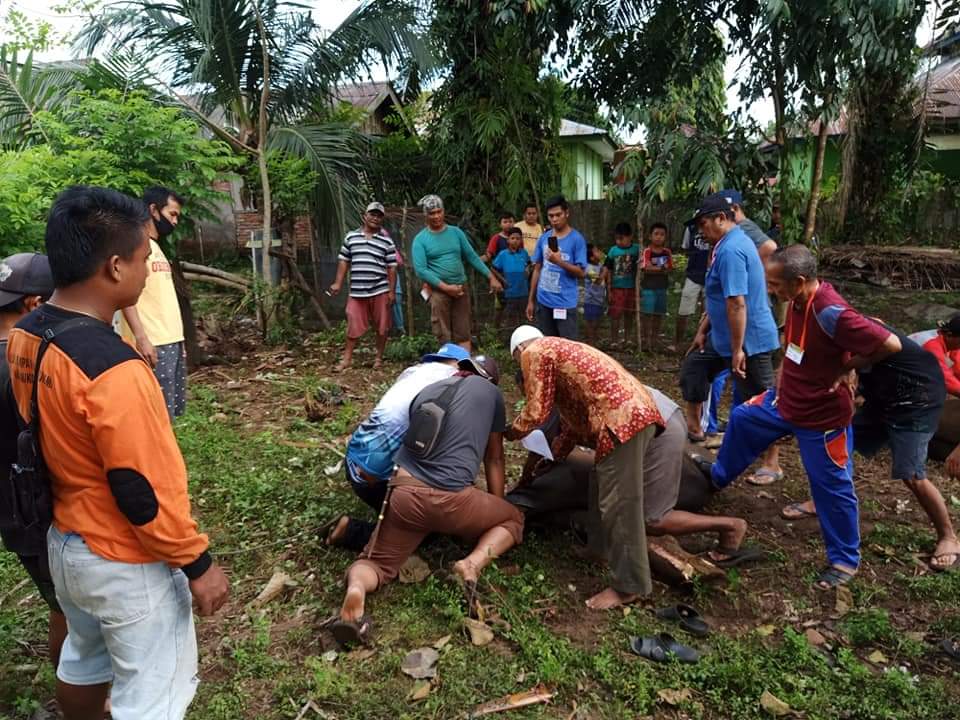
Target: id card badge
[[559, 313], [795, 353]]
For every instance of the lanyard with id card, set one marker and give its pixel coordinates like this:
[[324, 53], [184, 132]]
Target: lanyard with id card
[[795, 350]]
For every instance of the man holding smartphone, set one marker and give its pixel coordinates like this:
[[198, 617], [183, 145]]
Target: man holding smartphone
[[559, 262]]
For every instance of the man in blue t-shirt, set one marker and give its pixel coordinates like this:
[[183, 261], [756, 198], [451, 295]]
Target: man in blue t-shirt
[[554, 287], [738, 330]]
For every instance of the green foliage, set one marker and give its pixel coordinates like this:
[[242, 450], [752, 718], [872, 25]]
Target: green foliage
[[124, 142], [292, 182], [865, 627]]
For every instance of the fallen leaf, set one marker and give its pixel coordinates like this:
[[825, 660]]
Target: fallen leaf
[[442, 642], [329, 656], [277, 583], [877, 658], [414, 570], [332, 470], [363, 653], [421, 688], [480, 633], [766, 630], [421, 663], [814, 637], [218, 417], [844, 601], [774, 705], [538, 694], [675, 697], [626, 610], [917, 636]]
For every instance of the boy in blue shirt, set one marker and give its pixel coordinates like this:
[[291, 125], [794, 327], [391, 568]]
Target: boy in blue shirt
[[514, 264], [559, 262]]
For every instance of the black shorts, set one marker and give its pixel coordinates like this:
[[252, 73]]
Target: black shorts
[[38, 569], [700, 368]]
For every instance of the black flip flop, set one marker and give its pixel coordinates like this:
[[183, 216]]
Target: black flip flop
[[951, 648], [348, 633], [324, 532], [663, 648], [955, 565], [832, 577], [738, 557], [688, 619]]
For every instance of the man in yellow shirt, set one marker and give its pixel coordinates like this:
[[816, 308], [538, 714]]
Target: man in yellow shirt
[[530, 227], [154, 324]]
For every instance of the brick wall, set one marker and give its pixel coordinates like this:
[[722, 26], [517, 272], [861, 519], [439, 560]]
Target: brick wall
[[249, 220]]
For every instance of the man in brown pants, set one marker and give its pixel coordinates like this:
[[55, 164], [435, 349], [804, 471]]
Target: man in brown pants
[[434, 493], [601, 406]]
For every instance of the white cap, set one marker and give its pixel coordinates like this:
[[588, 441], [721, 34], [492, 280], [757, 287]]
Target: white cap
[[522, 334]]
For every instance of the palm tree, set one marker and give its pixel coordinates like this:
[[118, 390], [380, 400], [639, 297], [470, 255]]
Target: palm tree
[[255, 71]]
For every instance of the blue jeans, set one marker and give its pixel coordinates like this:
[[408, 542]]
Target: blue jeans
[[127, 623], [827, 457]]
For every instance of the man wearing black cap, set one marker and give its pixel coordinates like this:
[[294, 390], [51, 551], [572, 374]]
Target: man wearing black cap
[[738, 330], [25, 282]]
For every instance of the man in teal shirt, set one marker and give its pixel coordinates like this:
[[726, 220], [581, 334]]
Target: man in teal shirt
[[438, 254]]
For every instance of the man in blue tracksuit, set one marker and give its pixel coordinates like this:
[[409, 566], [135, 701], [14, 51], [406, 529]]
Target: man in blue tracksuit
[[813, 401]]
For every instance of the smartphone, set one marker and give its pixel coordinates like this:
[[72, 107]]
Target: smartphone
[[552, 243]]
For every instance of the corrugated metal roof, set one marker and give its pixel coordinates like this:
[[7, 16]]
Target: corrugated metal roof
[[366, 95]]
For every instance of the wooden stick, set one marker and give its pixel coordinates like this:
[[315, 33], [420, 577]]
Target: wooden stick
[[214, 272], [216, 281]]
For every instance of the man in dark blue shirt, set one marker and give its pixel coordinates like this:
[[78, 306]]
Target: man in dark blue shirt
[[698, 257]]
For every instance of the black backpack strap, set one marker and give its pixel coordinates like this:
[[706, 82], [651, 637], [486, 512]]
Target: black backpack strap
[[46, 337], [445, 398]]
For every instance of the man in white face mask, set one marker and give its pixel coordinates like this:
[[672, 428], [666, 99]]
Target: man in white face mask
[[154, 324]]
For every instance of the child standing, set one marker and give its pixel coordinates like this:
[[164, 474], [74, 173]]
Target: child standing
[[656, 267], [514, 264], [620, 271], [594, 293]]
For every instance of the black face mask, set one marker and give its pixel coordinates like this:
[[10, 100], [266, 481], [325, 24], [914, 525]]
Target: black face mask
[[164, 226]]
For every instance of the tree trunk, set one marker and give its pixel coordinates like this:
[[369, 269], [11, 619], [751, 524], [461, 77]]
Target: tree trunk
[[407, 272], [195, 354], [266, 207], [779, 109], [815, 180]]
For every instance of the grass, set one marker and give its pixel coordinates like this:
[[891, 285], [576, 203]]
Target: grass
[[262, 499]]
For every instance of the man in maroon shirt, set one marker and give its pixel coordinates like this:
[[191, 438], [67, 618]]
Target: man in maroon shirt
[[826, 341]]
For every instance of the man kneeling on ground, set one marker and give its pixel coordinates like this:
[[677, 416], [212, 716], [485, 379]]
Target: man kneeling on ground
[[432, 491], [672, 498], [373, 445]]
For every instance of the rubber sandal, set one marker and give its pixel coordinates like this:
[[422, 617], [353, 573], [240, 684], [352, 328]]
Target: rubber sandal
[[328, 527], [951, 648], [348, 633], [740, 556], [769, 477], [832, 577], [688, 619], [955, 565], [663, 648], [714, 442], [796, 511]]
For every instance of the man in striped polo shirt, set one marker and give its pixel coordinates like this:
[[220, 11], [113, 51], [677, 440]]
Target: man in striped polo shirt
[[371, 256]]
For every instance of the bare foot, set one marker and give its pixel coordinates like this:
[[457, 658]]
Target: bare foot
[[336, 533], [729, 540], [610, 598], [378, 363], [342, 365], [353, 600], [945, 554], [466, 570]]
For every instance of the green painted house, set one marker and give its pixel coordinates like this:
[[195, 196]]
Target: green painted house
[[588, 156]]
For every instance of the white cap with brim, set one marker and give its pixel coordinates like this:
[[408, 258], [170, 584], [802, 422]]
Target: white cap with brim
[[375, 207], [521, 335]]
